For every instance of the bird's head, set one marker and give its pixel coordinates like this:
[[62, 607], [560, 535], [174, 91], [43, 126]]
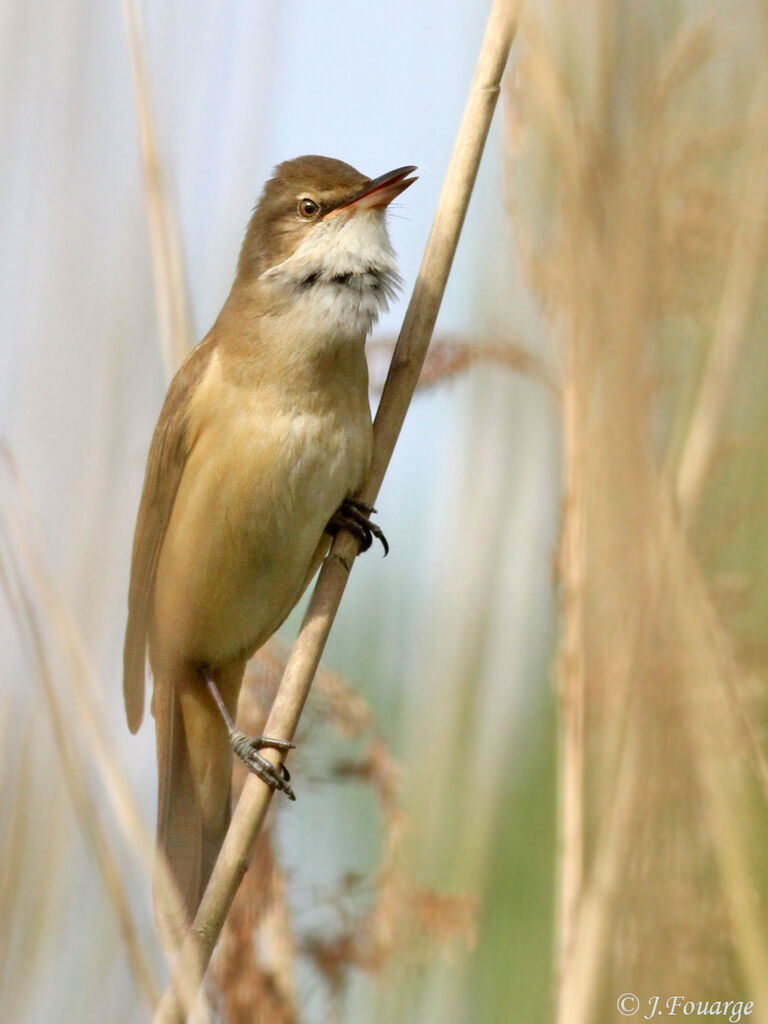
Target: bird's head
[[318, 234]]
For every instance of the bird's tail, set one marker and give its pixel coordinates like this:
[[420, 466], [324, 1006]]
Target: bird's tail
[[194, 761]]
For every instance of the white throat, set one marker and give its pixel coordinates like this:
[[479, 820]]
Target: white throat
[[342, 275]]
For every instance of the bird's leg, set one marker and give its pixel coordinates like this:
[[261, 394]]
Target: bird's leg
[[355, 516], [247, 747]]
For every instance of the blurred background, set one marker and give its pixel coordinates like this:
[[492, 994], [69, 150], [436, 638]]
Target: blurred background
[[532, 773]]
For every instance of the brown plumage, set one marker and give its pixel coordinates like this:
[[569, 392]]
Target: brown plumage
[[264, 432]]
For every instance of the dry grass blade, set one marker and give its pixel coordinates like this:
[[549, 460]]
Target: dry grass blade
[[87, 691], [715, 732], [571, 665], [13, 822], [90, 722], [751, 185], [688, 52], [86, 808], [167, 259], [595, 912], [401, 383]]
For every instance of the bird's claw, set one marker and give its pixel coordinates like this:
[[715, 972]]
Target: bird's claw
[[355, 516], [247, 749]]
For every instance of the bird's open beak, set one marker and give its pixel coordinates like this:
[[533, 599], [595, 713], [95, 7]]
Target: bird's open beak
[[379, 192]]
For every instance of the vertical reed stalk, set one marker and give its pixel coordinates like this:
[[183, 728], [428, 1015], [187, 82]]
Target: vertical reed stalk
[[167, 258]]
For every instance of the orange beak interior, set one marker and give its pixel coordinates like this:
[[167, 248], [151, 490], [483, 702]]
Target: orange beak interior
[[379, 192]]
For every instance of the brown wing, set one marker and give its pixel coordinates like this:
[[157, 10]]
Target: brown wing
[[165, 465]]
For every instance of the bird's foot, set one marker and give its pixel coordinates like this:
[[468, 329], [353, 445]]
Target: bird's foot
[[355, 516], [247, 749]]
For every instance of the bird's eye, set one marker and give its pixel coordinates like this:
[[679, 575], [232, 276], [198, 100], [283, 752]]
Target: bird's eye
[[308, 208]]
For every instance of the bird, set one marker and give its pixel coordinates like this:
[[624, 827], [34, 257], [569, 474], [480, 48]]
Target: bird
[[262, 443]]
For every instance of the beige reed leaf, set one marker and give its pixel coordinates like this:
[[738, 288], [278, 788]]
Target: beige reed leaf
[[176, 335]]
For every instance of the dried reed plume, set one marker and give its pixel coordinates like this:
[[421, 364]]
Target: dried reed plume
[[371, 922], [646, 266]]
